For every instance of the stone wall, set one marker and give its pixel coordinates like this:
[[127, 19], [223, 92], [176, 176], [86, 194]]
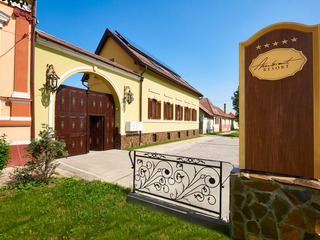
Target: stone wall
[[133, 139], [274, 207]]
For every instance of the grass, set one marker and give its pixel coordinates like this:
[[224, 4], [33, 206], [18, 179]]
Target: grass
[[231, 134], [79, 209]]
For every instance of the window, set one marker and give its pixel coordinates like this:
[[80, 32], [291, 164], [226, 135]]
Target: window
[[194, 115], [217, 120], [167, 111], [186, 114], [154, 109], [179, 112], [168, 136], [154, 137]]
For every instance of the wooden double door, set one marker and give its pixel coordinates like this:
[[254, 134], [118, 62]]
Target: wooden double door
[[84, 119]]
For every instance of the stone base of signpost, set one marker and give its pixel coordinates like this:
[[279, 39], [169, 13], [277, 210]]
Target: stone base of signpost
[[266, 206]]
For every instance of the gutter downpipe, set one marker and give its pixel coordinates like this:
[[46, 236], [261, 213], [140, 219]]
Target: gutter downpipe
[[32, 67], [140, 103]]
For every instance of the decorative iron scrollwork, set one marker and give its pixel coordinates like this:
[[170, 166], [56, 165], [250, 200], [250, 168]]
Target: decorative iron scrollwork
[[180, 181]]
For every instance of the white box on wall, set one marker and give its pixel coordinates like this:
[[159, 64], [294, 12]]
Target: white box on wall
[[133, 126]]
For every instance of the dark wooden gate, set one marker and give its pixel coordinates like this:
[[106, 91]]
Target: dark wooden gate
[[96, 133], [73, 113]]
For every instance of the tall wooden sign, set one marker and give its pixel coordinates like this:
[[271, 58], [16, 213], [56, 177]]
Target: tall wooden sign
[[280, 102]]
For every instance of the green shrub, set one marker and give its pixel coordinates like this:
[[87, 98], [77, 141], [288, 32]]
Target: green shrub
[[41, 152], [4, 152]]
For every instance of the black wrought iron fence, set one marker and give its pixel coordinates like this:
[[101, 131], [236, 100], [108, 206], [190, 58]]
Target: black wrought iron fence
[[194, 182]]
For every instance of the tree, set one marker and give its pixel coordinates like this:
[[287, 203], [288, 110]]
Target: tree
[[42, 152], [235, 103]]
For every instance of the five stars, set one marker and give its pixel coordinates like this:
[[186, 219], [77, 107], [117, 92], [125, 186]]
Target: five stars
[[276, 43]]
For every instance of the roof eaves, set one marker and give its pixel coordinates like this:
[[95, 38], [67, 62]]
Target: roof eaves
[[76, 49]]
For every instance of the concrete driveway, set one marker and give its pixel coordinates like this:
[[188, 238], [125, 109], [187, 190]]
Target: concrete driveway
[[114, 166]]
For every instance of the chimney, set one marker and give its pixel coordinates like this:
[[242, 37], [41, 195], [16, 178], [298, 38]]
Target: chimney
[[225, 108]]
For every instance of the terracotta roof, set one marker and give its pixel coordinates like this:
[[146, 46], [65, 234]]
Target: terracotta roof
[[145, 60], [212, 110], [74, 48]]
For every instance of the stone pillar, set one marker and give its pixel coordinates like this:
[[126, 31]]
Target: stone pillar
[[265, 206]]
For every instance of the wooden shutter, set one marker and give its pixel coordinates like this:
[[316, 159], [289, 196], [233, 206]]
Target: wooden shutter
[[165, 110], [149, 108], [159, 110]]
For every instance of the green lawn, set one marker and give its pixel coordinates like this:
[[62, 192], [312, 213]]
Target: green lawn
[[228, 134], [79, 209]]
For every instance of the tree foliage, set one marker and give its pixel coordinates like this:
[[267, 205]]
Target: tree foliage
[[4, 152], [235, 103]]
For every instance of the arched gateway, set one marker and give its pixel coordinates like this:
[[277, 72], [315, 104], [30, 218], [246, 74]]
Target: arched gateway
[[85, 119], [131, 99]]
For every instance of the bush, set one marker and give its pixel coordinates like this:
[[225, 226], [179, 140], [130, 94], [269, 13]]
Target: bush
[[41, 152], [4, 152]]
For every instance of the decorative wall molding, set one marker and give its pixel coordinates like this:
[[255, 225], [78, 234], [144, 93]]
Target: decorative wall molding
[[18, 12], [24, 95], [3, 18], [168, 96], [154, 91]]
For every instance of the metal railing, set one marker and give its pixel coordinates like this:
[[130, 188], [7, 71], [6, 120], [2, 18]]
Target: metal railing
[[193, 182]]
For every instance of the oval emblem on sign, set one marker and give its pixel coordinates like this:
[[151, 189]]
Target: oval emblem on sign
[[277, 64]]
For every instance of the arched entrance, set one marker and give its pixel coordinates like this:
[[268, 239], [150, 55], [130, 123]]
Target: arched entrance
[[84, 119]]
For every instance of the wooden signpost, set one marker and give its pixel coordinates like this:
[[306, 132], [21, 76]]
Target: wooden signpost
[[280, 101]]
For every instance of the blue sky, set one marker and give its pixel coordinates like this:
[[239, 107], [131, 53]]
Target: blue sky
[[198, 39]]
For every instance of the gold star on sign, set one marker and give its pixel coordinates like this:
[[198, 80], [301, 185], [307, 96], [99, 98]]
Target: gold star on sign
[[294, 39], [266, 45], [258, 47], [285, 41], [275, 43]]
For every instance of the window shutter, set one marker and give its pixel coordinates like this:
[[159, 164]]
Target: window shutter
[[159, 110], [149, 108], [165, 110]]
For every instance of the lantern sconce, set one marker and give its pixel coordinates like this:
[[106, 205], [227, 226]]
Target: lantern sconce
[[51, 79], [128, 95]]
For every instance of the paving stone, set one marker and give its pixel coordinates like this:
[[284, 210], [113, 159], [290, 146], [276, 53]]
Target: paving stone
[[296, 219], [269, 226], [288, 233], [258, 210], [252, 227], [263, 197], [298, 196], [280, 207], [262, 186]]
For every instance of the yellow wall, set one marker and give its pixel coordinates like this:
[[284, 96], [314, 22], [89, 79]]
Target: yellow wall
[[161, 89], [112, 50], [105, 80], [153, 86], [65, 65]]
